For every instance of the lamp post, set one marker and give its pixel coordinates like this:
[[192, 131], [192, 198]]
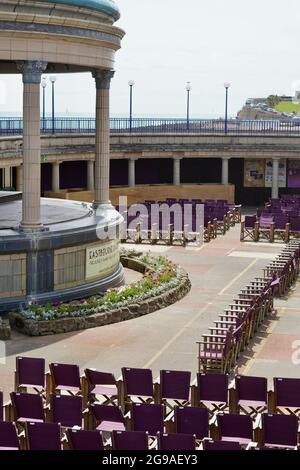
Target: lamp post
[[188, 88], [130, 83], [227, 86], [44, 84], [53, 80]]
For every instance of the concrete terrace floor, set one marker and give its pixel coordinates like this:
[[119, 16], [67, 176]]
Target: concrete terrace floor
[[167, 338]]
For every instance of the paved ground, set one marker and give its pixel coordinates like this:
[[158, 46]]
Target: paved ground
[[167, 338]]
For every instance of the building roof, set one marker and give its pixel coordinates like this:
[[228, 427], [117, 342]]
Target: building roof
[[107, 6]]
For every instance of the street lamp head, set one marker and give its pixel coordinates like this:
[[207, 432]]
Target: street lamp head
[[44, 82], [188, 86], [53, 78], [131, 83], [227, 85]]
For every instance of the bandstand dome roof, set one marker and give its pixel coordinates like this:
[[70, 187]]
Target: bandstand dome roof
[[107, 6]]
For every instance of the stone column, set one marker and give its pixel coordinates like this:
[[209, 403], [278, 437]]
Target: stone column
[[7, 177], [31, 212], [19, 178], [90, 175], [55, 177], [102, 79], [176, 170], [225, 170], [275, 167], [131, 172]]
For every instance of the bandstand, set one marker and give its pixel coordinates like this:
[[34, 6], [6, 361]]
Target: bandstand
[[52, 250]]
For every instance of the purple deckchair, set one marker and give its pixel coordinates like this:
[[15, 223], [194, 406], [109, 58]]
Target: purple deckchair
[[30, 373], [280, 431], [138, 383], [129, 440], [251, 394], [66, 410], [8, 436], [174, 385], [220, 445], [84, 440], [147, 417], [234, 427], [102, 384], [42, 436], [65, 377], [212, 391], [27, 407], [106, 418], [191, 420], [176, 441]]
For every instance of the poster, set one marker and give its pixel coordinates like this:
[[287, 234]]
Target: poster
[[281, 173], [254, 173], [294, 174], [102, 259]]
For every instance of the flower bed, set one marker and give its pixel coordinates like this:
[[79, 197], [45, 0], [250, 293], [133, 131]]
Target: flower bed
[[163, 283]]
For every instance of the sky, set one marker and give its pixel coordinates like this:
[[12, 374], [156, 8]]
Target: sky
[[254, 45]]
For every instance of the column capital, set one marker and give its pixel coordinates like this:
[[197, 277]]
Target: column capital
[[103, 78], [226, 158], [31, 70], [177, 158]]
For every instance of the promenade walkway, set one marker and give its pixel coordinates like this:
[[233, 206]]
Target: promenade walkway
[[167, 338]]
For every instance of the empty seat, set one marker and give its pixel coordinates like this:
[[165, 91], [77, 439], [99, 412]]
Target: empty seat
[[279, 431], [295, 225], [1, 406], [250, 228], [147, 417], [287, 395], [211, 391], [42, 436], [234, 427], [27, 407], [191, 420], [129, 440], [176, 441], [106, 418], [8, 436], [84, 440], [251, 394], [220, 445], [138, 385], [174, 387], [30, 373], [101, 386], [65, 377], [66, 410]]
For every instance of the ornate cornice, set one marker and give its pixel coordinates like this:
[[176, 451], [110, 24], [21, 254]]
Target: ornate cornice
[[103, 78], [31, 70]]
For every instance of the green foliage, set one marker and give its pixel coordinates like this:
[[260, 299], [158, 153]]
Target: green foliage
[[288, 107], [273, 100]]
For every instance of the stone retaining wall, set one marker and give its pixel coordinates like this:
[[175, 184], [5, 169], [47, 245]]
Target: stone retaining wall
[[65, 325]]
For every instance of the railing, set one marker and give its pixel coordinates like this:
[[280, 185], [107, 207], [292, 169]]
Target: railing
[[69, 125]]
